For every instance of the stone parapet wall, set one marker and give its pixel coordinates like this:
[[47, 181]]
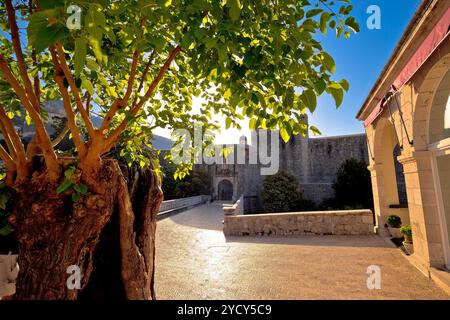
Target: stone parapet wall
[[182, 202], [348, 222]]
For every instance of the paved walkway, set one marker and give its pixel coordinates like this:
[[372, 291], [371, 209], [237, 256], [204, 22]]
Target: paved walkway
[[195, 261]]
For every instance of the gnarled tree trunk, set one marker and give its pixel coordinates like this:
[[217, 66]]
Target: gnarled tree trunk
[[109, 235]]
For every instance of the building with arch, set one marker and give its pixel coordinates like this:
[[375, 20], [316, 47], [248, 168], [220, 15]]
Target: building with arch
[[313, 161], [407, 122]]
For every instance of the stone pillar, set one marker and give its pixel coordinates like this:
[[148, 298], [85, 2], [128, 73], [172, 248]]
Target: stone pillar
[[384, 187], [423, 209], [375, 174]]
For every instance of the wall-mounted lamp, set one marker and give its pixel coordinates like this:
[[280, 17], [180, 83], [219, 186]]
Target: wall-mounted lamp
[[394, 94]]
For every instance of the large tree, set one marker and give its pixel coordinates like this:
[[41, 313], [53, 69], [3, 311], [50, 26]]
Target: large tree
[[138, 64]]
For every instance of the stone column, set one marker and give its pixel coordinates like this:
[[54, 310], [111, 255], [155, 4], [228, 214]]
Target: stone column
[[423, 209]]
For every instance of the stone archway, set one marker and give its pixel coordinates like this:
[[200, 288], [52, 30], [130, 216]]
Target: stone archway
[[428, 164], [225, 190], [387, 173], [430, 92]]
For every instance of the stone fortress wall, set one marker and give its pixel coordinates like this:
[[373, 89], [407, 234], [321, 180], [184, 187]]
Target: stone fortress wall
[[314, 161], [325, 155]]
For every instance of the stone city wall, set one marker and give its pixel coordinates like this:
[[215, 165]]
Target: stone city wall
[[328, 153], [348, 222]]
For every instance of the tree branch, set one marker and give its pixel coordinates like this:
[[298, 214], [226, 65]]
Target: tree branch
[[88, 103], [15, 145], [46, 146], [15, 37], [60, 136], [36, 81], [144, 74], [112, 139], [9, 162], [121, 103], [64, 67], [9, 144], [59, 79]]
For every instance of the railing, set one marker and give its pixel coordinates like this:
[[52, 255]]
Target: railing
[[236, 209], [175, 204]]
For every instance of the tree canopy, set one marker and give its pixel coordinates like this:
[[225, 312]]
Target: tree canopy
[[139, 63]]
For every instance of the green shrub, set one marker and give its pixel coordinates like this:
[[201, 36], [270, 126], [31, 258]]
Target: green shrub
[[328, 204], [394, 221], [281, 193], [195, 184], [305, 205], [407, 232], [352, 186]]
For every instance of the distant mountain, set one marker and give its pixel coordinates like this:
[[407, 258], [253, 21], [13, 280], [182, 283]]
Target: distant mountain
[[158, 142], [57, 120], [161, 143]]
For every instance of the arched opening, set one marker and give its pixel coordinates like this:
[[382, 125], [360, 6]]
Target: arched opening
[[439, 145], [400, 177], [389, 185], [429, 174], [225, 190], [439, 121]]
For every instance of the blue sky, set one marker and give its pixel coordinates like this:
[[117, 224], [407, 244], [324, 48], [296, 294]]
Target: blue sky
[[360, 60]]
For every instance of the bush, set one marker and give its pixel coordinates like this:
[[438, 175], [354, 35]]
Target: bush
[[352, 186], [407, 232], [328, 204], [305, 205], [394, 221], [281, 193], [195, 184]]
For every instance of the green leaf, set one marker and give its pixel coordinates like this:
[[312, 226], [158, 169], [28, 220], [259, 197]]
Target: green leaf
[[315, 131], [3, 200], [235, 9], [309, 98], [6, 230], [352, 24], [252, 124], [80, 55], [345, 85], [65, 186], [69, 172], [328, 62], [44, 29], [284, 134], [28, 119], [324, 18], [81, 188], [228, 122], [51, 4], [313, 12], [337, 92], [76, 196], [86, 84]]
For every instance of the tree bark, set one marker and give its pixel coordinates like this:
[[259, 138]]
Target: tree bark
[[109, 235]]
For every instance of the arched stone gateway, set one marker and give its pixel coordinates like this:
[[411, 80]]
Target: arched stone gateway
[[225, 190], [415, 120]]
